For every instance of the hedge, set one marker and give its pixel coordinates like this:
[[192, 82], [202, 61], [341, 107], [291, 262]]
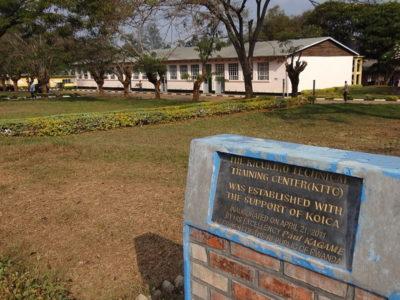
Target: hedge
[[76, 123]]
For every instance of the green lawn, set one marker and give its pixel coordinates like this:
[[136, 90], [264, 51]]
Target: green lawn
[[15, 109], [104, 210], [361, 92]]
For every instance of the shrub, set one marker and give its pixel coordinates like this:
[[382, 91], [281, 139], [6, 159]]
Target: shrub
[[392, 98], [311, 99], [76, 123], [369, 98]]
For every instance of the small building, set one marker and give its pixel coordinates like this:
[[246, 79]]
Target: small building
[[329, 63]]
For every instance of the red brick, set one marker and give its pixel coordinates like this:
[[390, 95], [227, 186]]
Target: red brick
[[217, 296], [364, 295], [255, 257], [210, 277], [209, 239], [284, 288], [320, 281], [230, 266], [241, 292]]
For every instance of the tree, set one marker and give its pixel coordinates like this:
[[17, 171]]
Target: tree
[[279, 26], [124, 68], [293, 68], [243, 28], [102, 25], [370, 27], [152, 39], [338, 20], [206, 46], [154, 68], [17, 12], [97, 55], [11, 65]]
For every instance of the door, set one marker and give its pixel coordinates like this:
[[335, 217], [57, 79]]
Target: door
[[219, 78]]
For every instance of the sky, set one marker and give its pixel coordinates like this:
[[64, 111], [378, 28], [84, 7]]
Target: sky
[[291, 7]]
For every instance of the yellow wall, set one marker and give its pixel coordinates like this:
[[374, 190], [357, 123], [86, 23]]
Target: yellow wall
[[22, 83]]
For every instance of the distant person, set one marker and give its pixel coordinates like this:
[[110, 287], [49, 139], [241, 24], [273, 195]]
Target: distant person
[[32, 90], [346, 91]]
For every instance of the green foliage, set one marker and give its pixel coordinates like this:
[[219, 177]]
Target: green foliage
[[18, 283], [76, 123], [392, 98], [372, 29], [152, 66], [281, 27], [356, 91], [369, 98]]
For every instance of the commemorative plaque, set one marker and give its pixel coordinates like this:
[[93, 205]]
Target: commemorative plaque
[[307, 210]]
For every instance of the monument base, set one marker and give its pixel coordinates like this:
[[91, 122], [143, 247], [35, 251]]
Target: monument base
[[221, 270]]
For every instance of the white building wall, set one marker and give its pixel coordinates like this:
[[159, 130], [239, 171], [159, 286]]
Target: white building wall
[[327, 71]]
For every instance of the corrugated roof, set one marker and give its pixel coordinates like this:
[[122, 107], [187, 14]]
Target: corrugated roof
[[263, 49]]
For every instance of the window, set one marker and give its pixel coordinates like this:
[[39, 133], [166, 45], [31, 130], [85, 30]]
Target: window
[[233, 71], [195, 70], [86, 76], [173, 72], [183, 70], [112, 76], [135, 75], [144, 76], [263, 71], [220, 70]]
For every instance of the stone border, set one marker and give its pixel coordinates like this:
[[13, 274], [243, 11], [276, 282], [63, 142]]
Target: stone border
[[356, 100]]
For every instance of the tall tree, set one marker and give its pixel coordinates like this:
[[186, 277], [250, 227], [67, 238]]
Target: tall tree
[[17, 12], [152, 39], [12, 64], [243, 26], [281, 27]]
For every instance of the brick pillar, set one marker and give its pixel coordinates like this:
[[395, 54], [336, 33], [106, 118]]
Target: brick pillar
[[222, 270]]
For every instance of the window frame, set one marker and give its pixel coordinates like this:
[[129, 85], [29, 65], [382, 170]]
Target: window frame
[[260, 76], [231, 75], [175, 77], [181, 73], [194, 67]]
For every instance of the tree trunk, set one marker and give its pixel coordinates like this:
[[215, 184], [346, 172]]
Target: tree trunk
[[100, 84], [196, 89], [157, 93], [294, 80], [44, 87], [247, 71], [2, 84], [126, 88], [15, 83]]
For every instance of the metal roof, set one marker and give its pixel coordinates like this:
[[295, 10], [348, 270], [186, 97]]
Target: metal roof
[[262, 49]]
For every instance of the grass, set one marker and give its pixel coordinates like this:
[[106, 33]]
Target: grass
[[18, 283], [358, 92], [45, 107], [105, 209]]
